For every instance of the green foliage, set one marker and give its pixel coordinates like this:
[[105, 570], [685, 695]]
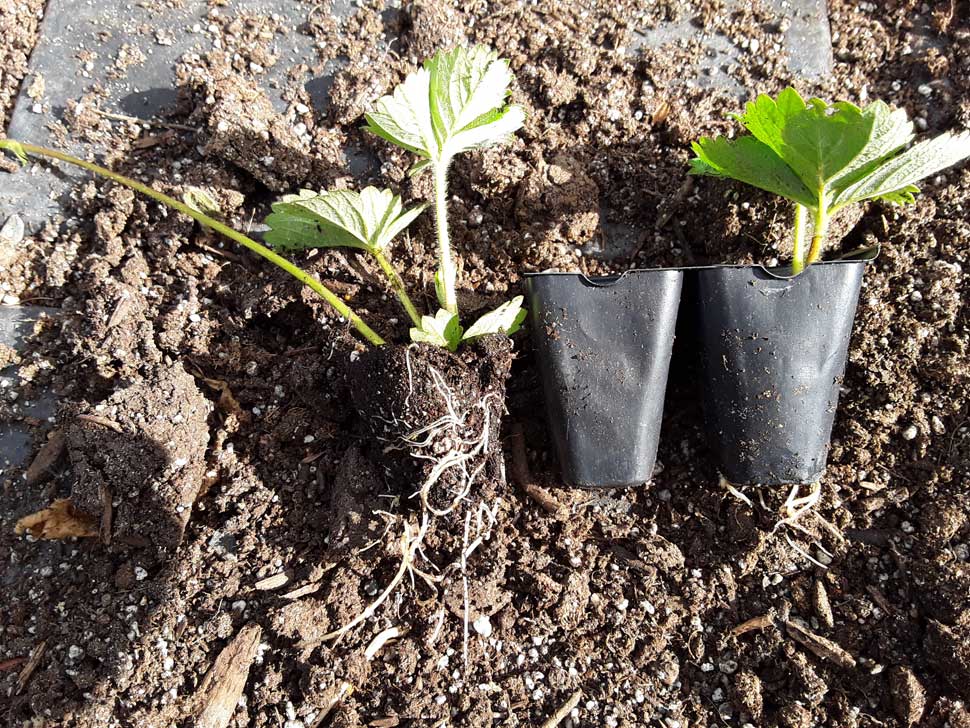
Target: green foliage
[[444, 329], [369, 220], [826, 156], [506, 319], [16, 148], [454, 103]]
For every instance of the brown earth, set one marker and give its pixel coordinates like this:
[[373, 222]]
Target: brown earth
[[673, 604]]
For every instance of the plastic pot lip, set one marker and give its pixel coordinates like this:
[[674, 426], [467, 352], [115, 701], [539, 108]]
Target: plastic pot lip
[[863, 255]]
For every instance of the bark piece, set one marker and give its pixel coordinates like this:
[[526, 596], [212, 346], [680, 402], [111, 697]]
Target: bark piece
[[224, 683], [821, 647]]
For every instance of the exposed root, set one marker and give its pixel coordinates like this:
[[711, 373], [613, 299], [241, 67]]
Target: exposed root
[[409, 544], [790, 514], [458, 457]]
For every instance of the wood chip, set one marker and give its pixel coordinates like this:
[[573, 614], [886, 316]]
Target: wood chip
[[302, 591], [103, 421], [522, 477], [820, 601], [879, 598], [223, 685], [330, 699], [564, 710], [59, 521], [272, 582], [32, 662], [47, 457], [821, 647], [388, 722], [760, 622], [12, 663], [107, 513]]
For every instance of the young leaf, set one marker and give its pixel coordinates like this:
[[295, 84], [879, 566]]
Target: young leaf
[[891, 131], [816, 140], [369, 220], [442, 330], [748, 160], [16, 148], [894, 179], [506, 319], [201, 201], [456, 102]]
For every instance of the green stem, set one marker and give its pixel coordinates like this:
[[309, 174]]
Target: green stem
[[818, 234], [446, 263], [398, 285], [325, 293], [798, 259]]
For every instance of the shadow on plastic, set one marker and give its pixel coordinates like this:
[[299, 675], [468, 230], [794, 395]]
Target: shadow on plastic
[[773, 351], [603, 347]]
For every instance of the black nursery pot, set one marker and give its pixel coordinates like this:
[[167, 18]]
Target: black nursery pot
[[773, 351], [603, 347]]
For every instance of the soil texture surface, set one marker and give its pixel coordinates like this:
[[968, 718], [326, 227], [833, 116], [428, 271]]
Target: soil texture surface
[[234, 509]]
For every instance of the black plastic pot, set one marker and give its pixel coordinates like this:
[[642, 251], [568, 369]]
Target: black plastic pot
[[773, 351], [603, 347]]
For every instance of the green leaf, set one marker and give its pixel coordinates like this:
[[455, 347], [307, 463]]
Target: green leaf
[[506, 319], [16, 147], [201, 201], [369, 220], [816, 140], [443, 329], [748, 160], [895, 179], [891, 131], [456, 102]]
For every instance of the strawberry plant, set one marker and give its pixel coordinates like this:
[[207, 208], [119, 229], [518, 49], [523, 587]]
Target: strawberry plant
[[824, 157], [456, 102]]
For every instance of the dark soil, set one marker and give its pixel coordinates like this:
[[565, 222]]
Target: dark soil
[[672, 604], [19, 21]]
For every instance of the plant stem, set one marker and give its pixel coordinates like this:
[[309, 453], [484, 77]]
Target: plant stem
[[798, 258], [818, 234], [325, 293], [446, 263], [398, 285]]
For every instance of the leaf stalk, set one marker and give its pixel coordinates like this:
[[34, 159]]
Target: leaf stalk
[[308, 280], [397, 284], [446, 262], [798, 258]]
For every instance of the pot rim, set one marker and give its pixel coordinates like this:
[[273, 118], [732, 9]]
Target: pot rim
[[781, 272]]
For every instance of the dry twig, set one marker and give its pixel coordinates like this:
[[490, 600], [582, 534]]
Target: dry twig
[[222, 686]]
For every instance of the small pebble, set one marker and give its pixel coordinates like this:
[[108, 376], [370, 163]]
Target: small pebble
[[910, 433], [483, 625], [140, 573]]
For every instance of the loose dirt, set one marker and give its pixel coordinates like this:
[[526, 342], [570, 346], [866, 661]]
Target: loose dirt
[[672, 604]]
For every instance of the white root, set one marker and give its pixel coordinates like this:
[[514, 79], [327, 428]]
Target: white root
[[391, 633], [409, 544], [445, 443], [792, 511]]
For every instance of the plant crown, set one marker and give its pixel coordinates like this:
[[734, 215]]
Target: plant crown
[[824, 157], [454, 103]]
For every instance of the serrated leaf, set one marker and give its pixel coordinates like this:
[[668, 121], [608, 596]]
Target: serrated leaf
[[369, 220], [201, 201], [456, 102], [506, 319], [891, 131], [816, 140], [404, 117], [16, 148], [748, 160], [895, 179], [443, 329]]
